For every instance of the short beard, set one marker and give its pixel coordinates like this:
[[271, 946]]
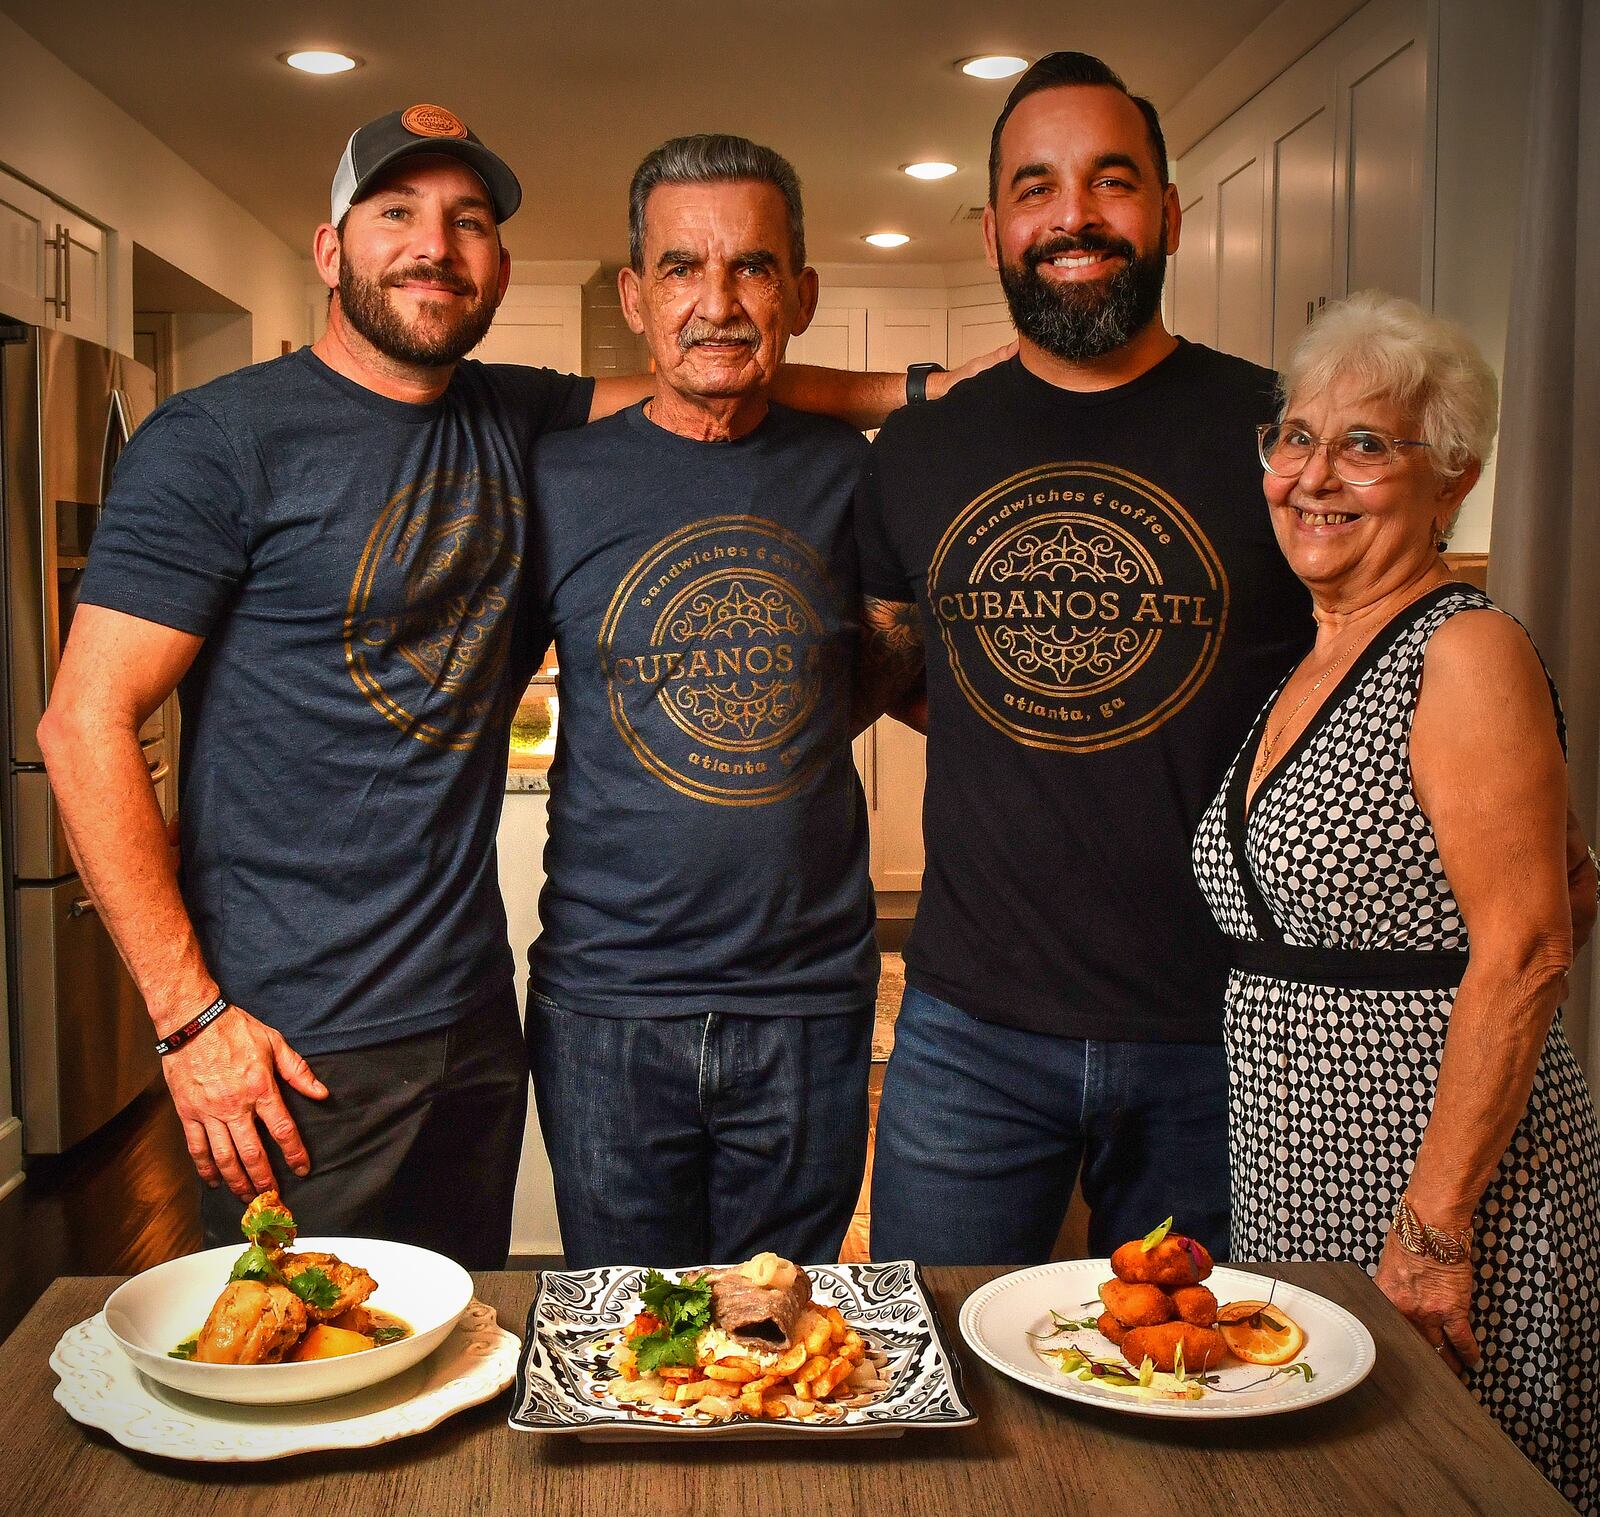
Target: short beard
[[426, 344], [1082, 321]]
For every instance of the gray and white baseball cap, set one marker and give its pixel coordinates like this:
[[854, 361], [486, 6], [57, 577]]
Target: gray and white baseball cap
[[419, 129]]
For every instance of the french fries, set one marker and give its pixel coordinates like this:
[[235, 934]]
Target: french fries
[[828, 1365]]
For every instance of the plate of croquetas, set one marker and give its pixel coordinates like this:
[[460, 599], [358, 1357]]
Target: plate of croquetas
[[1159, 1330]]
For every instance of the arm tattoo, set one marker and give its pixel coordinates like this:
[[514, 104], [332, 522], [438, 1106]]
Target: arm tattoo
[[891, 673]]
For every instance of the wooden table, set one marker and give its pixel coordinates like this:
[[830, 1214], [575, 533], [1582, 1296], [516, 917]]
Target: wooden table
[[1408, 1440]]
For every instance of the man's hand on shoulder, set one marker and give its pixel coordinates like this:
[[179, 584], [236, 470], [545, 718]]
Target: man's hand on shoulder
[[222, 1084]]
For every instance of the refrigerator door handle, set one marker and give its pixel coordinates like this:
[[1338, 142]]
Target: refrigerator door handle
[[82, 907], [119, 428]]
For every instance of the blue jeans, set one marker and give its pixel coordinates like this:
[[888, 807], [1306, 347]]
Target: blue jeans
[[701, 1139], [983, 1129]]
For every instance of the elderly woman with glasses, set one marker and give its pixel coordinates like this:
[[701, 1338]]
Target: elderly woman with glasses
[[1388, 856]]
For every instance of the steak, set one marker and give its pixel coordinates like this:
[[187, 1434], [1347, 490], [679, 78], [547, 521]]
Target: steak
[[758, 1316]]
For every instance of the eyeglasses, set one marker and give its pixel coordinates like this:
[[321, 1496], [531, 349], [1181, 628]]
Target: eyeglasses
[[1358, 457]]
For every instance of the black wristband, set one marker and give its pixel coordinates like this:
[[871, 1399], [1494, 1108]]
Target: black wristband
[[917, 381], [175, 1039]]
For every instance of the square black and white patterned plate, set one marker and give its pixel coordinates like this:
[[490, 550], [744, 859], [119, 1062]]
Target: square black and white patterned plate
[[564, 1373]]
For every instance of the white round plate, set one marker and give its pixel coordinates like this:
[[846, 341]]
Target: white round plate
[[152, 1313], [998, 1318], [100, 1387]]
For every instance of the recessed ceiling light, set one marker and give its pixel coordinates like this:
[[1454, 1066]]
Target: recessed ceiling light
[[316, 61], [887, 239], [928, 170], [993, 66]]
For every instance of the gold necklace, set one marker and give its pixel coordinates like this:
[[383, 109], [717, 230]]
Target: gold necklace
[[1270, 742]]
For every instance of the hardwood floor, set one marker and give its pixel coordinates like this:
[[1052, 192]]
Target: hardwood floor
[[119, 1202]]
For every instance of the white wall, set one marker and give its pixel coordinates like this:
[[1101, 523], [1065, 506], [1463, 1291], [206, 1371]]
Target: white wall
[[69, 139], [1485, 53]]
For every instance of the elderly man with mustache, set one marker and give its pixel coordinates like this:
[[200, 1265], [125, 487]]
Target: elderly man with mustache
[[699, 1009]]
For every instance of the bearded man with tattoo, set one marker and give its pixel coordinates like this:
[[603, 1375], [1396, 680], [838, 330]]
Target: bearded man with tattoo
[[1082, 527]]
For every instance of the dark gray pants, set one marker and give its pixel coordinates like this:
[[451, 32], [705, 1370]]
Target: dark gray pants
[[417, 1141]]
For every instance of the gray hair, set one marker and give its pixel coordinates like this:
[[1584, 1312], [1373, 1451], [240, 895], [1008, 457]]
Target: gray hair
[[715, 158], [1427, 366]]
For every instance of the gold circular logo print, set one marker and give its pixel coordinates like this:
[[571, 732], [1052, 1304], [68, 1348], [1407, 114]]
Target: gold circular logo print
[[432, 121], [428, 624], [715, 652], [1080, 606]]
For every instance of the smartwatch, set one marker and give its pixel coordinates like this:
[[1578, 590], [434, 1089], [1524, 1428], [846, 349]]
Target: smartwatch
[[917, 381]]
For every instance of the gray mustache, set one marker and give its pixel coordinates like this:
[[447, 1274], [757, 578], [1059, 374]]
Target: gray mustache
[[697, 332]]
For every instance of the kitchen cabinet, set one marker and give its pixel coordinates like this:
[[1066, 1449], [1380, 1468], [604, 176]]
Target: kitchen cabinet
[[53, 263], [836, 339], [537, 324], [1319, 186], [977, 329]]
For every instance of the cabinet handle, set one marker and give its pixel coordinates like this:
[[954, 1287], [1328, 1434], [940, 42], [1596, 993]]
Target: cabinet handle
[[82, 907], [58, 300], [66, 272], [1311, 307]]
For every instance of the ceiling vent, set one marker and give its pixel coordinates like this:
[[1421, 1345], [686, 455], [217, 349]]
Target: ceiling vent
[[966, 213]]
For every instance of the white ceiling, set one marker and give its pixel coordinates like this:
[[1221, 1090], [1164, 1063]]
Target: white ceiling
[[573, 94]]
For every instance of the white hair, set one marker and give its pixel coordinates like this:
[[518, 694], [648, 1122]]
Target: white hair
[[1423, 364]]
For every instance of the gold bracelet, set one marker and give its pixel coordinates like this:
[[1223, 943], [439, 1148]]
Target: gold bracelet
[[1442, 1245]]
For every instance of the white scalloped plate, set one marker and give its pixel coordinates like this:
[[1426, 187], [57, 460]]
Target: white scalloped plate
[[1003, 1320], [100, 1387]]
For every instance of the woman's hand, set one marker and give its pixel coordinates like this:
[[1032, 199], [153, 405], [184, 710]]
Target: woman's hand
[[1435, 1298]]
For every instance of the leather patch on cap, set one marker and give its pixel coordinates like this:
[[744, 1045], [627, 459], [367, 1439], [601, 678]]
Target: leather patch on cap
[[432, 121]]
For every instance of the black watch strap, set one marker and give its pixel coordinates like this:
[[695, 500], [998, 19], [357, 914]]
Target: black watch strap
[[917, 381]]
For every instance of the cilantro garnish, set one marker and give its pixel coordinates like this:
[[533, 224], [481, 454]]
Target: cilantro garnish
[[382, 1335], [254, 1264], [186, 1349], [314, 1288], [684, 1309], [271, 1224]]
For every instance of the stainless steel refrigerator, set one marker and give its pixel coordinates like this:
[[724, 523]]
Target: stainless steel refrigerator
[[81, 1042]]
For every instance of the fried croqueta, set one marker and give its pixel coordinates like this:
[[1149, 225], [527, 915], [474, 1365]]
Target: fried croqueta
[[1174, 1261], [1108, 1327], [1137, 1305], [1195, 1304], [1203, 1347]]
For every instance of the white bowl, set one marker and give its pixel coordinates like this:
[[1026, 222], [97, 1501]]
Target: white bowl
[[153, 1313]]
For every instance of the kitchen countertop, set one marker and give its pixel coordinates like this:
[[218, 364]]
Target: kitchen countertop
[[1408, 1439]]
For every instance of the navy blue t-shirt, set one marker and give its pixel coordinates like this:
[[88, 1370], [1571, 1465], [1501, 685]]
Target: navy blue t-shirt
[[1105, 610], [708, 834], [354, 565]]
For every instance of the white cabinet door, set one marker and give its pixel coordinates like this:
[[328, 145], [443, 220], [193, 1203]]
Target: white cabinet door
[[1385, 227], [836, 339], [1192, 273], [894, 770], [544, 339], [1241, 239], [25, 224], [1302, 226], [976, 330], [81, 276], [896, 338]]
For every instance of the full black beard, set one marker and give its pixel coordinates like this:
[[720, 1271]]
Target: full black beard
[[1081, 321], [431, 346]]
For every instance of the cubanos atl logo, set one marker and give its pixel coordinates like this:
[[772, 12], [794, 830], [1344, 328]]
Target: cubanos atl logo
[[427, 627], [715, 651], [1080, 606]]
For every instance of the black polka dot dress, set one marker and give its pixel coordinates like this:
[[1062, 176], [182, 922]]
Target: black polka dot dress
[[1348, 946]]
